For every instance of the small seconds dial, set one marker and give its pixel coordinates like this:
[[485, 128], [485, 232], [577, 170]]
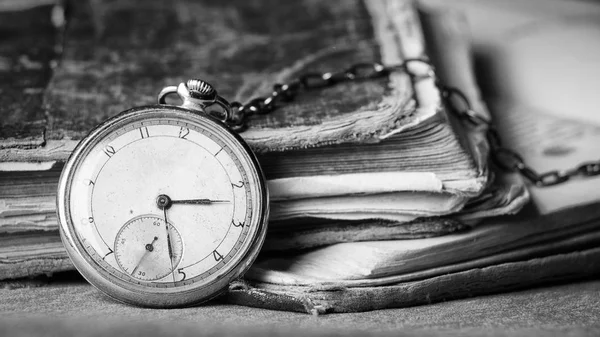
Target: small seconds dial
[[147, 249]]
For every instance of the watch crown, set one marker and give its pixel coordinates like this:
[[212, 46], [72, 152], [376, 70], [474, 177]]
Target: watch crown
[[201, 90]]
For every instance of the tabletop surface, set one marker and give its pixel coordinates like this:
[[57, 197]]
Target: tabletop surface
[[67, 306]]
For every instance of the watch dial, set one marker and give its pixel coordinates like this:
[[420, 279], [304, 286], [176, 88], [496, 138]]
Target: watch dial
[[164, 199]]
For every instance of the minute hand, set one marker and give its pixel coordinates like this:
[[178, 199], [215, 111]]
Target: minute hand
[[198, 201]]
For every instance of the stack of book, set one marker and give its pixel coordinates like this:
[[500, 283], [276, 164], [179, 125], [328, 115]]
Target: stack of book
[[380, 194]]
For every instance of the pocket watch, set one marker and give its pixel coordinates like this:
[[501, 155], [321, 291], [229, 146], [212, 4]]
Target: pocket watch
[[164, 205]]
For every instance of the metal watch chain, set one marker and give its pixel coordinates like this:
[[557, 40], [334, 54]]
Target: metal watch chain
[[236, 114]]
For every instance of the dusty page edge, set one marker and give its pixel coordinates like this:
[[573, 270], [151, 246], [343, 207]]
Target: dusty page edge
[[378, 182], [445, 29], [534, 232], [408, 37], [397, 28]]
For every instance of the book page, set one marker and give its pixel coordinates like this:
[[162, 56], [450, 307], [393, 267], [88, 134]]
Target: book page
[[551, 114], [539, 69], [373, 263]]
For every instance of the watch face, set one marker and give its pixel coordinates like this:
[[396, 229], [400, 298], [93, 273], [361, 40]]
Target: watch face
[[160, 206]]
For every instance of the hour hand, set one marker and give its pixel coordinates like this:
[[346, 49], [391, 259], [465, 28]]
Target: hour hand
[[198, 201]]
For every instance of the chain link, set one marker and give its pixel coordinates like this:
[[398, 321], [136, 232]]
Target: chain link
[[503, 157], [310, 81], [508, 159]]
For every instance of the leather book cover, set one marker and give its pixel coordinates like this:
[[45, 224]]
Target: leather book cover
[[108, 57]]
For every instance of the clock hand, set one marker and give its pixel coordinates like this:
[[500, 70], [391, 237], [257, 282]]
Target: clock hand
[[149, 248], [198, 201], [170, 248], [164, 202]]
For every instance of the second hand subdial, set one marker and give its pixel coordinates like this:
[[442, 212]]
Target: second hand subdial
[[141, 248]]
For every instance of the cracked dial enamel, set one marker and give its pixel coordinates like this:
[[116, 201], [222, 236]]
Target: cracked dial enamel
[[162, 207]]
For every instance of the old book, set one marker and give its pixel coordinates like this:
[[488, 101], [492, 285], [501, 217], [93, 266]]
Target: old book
[[411, 148], [553, 239], [386, 161]]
